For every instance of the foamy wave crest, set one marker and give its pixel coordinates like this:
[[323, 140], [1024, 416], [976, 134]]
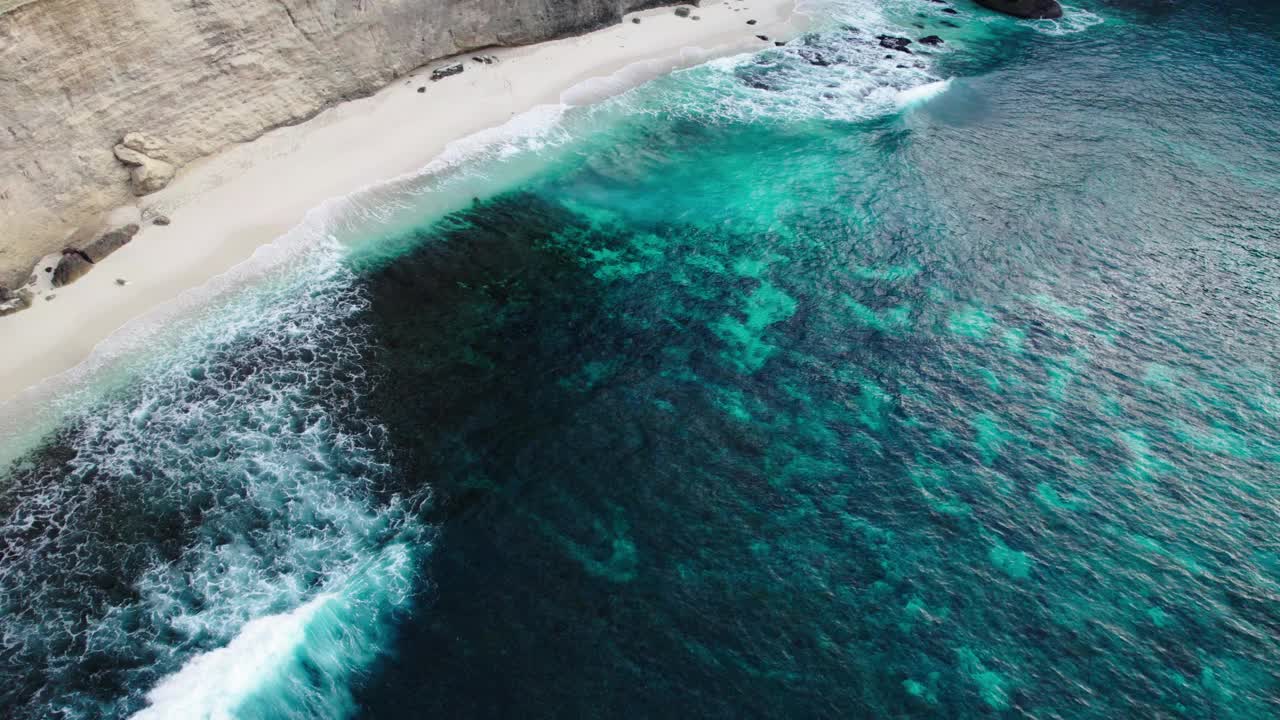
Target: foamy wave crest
[[239, 479], [922, 93], [840, 72], [297, 664], [1073, 20]]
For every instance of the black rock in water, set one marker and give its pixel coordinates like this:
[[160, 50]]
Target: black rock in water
[[930, 40], [1028, 9], [763, 37], [951, 11], [894, 43], [813, 57], [751, 22], [441, 73]]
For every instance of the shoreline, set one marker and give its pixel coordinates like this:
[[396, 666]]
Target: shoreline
[[225, 207]]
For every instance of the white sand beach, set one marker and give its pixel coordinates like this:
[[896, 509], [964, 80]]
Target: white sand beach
[[224, 207]]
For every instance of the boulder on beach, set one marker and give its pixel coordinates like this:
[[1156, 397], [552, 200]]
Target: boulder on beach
[[105, 244], [683, 12], [12, 301], [70, 268], [1027, 9], [441, 73], [894, 43]]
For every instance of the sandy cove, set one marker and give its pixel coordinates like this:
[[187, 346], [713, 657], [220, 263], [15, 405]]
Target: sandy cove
[[226, 206]]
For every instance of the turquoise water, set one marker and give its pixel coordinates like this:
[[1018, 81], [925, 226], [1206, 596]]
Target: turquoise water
[[799, 384]]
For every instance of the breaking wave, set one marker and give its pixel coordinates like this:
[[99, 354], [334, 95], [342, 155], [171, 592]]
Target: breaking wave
[[1073, 20], [237, 483]]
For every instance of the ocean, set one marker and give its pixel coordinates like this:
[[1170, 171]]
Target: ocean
[[825, 381]]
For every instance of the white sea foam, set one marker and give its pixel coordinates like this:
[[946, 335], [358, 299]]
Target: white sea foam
[[1073, 20], [233, 481], [841, 73], [598, 89], [212, 685], [297, 664], [922, 93]]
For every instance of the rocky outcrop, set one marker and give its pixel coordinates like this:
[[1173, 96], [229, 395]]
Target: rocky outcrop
[[80, 259], [14, 301], [70, 268], [441, 73], [894, 43], [79, 78], [100, 247], [147, 170], [1028, 9]]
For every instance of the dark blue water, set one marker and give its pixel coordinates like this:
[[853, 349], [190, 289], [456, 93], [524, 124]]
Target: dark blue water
[[776, 391]]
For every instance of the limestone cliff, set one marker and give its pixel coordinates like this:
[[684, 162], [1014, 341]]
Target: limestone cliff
[[77, 76]]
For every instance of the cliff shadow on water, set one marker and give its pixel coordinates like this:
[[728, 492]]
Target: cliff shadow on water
[[557, 416]]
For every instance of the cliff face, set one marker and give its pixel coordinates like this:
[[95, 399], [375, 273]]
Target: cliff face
[[76, 76]]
